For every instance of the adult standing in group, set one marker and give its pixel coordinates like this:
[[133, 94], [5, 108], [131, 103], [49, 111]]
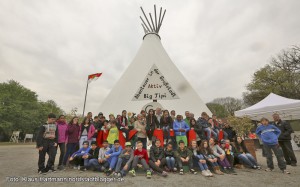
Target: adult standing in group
[[284, 140], [98, 125], [140, 127], [187, 118], [46, 142], [62, 138], [72, 138]]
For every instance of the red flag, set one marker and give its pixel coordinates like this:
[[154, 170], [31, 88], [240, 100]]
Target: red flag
[[94, 77]]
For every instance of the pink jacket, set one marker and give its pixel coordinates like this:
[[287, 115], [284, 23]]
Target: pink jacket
[[90, 133]]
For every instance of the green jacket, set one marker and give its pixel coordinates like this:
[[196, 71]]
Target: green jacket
[[184, 153]]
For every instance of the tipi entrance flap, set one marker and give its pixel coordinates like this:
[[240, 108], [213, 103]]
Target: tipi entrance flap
[[155, 87]]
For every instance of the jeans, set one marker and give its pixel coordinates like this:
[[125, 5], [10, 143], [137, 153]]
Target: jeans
[[142, 161], [157, 168], [50, 149], [121, 162], [288, 152], [70, 150], [209, 132], [112, 161], [62, 147], [95, 165], [202, 166], [247, 159], [278, 153], [170, 162], [179, 162]]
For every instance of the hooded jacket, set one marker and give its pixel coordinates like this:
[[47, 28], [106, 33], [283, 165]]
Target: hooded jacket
[[268, 134], [180, 125]]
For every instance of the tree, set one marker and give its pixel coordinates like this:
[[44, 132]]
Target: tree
[[217, 109], [21, 110], [281, 76], [230, 104]]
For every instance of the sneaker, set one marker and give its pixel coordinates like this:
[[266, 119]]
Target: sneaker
[[52, 170], [204, 173], [115, 174], [132, 172], [164, 174], [268, 170], [78, 167], [181, 172], [42, 172], [149, 174], [108, 172], [75, 167], [174, 170], [193, 171], [209, 173], [285, 171], [258, 167]]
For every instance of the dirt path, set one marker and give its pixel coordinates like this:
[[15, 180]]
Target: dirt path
[[19, 162]]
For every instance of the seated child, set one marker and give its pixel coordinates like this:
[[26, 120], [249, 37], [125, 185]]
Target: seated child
[[93, 154], [229, 151], [199, 158], [124, 160], [170, 157], [140, 157], [207, 153], [112, 156], [157, 159], [76, 158], [184, 155], [101, 164]]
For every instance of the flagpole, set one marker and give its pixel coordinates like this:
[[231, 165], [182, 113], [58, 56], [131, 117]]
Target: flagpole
[[87, 85]]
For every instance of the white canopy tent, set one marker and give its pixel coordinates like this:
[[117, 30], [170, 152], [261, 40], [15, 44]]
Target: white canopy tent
[[288, 109]]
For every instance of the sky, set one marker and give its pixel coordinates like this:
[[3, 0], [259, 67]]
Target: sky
[[51, 46]]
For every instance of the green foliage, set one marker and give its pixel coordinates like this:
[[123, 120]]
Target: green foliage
[[242, 126], [281, 76], [217, 109], [21, 110], [229, 104]]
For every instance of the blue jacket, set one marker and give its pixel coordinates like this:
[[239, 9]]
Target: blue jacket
[[82, 151], [113, 152], [180, 125], [268, 134]]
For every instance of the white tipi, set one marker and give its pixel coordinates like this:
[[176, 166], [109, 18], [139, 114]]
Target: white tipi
[[152, 77]]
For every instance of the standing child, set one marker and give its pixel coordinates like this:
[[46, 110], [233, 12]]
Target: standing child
[[124, 160], [140, 127], [86, 131], [112, 156], [77, 158], [62, 127], [166, 124], [46, 142], [157, 159], [199, 158], [269, 135], [113, 133], [170, 158], [140, 157], [184, 155], [180, 127]]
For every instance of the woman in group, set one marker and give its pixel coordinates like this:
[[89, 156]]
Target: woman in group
[[221, 156], [86, 131], [152, 123], [199, 158], [71, 138], [193, 125], [243, 154], [140, 127], [166, 123], [123, 124], [207, 153]]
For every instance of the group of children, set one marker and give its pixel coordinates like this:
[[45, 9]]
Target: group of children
[[207, 155]]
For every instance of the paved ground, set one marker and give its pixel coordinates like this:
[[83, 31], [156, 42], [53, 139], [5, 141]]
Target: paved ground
[[19, 163]]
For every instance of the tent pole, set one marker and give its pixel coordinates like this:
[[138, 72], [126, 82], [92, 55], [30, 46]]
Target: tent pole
[[87, 86]]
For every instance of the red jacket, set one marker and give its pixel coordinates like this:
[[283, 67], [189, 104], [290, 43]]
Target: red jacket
[[143, 153]]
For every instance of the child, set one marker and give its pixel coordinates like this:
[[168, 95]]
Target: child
[[101, 164], [220, 154], [113, 133], [87, 131], [184, 155], [78, 156], [140, 126], [199, 158], [62, 138], [166, 123], [269, 135], [125, 160], [46, 142], [157, 159], [112, 156], [207, 153], [180, 128], [140, 157], [170, 157], [229, 151], [243, 154], [123, 124], [93, 154]]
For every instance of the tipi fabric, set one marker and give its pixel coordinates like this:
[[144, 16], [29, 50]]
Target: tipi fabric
[[152, 54]]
